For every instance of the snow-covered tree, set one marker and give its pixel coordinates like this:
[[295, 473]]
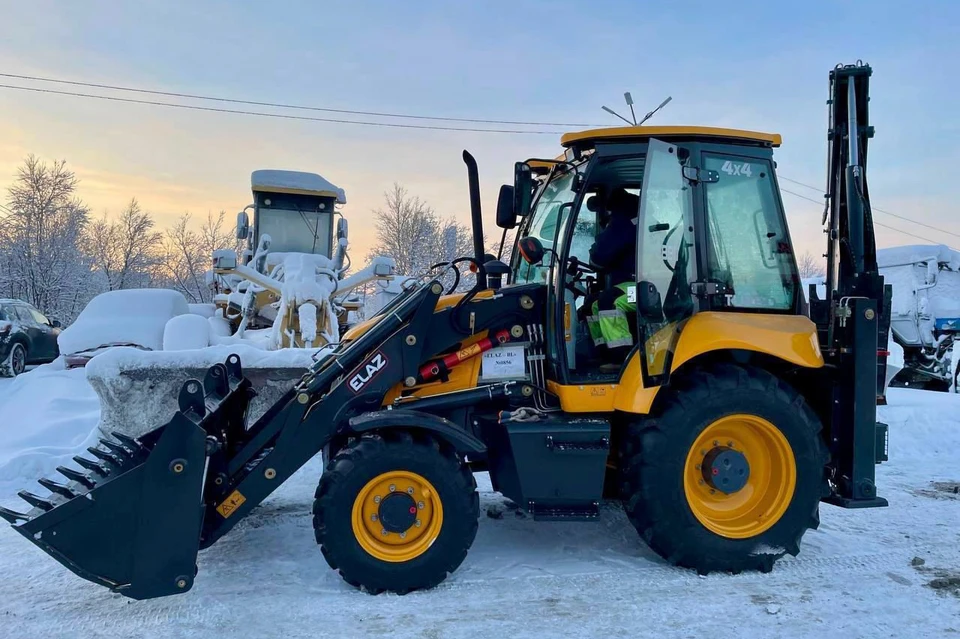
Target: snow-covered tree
[[125, 251], [810, 266], [187, 255], [413, 234], [41, 260]]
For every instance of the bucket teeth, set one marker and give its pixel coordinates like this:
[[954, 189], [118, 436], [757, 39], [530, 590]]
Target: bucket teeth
[[60, 489], [76, 475], [33, 500], [103, 455], [128, 441], [12, 516], [119, 450], [91, 465]]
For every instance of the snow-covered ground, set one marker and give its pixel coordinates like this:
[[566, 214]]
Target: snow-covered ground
[[862, 574]]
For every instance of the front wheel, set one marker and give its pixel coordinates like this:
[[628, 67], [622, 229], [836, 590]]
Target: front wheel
[[395, 513], [728, 475]]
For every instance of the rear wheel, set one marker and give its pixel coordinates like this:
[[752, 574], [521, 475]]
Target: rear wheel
[[729, 474], [15, 363], [395, 513]]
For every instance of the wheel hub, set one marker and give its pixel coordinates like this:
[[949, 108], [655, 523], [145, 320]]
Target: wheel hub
[[725, 469], [397, 512]]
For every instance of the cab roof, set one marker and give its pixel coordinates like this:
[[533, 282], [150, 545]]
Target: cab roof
[[295, 182], [643, 133]]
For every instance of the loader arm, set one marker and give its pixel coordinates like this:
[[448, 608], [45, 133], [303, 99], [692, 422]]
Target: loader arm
[[134, 518]]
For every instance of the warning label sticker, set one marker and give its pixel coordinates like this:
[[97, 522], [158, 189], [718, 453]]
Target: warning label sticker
[[231, 503]]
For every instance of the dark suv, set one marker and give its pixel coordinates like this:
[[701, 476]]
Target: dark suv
[[26, 337]]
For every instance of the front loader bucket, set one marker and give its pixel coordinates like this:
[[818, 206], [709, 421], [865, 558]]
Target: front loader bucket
[[131, 518]]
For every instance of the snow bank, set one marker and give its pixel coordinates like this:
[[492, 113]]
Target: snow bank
[[186, 332], [47, 416], [134, 316], [277, 180]]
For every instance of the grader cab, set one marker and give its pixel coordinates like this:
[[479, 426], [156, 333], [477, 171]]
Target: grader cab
[[728, 419]]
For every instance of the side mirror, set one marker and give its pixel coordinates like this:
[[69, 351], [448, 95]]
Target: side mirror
[[531, 250], [522, 188], [506, 213], [649, 306], [243, 225]]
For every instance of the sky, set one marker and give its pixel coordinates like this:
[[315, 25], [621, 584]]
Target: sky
[[751, 65]]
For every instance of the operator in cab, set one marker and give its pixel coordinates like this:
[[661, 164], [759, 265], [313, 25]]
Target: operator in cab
[[614, 253]]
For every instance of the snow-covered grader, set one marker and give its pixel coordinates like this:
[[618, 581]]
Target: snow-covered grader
[[733, 413], [293, 277]]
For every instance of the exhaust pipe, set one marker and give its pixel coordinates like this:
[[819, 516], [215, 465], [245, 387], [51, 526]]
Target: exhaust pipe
[[476, 215]]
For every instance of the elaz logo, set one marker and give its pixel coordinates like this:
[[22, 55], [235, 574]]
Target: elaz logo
[[376, 364]]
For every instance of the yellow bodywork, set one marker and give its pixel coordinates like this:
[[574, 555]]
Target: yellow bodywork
[[791, 338], [445, 302]]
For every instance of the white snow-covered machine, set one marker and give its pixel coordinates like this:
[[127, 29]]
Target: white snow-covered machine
[[925, 312], [292, 277]]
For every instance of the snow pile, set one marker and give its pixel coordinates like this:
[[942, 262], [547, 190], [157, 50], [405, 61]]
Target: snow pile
[[186, 332], [204, 310], [46, 416], [133, 316], [280, 181]]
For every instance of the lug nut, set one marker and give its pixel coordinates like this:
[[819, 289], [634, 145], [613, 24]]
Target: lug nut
[[410, 490], [376, 499], [384, 532], [420, 505], [417, 523], [403, 535], [392, 488], [373, 517]]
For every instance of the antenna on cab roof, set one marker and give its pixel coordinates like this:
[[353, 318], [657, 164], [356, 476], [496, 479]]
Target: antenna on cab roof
[[629, 100]]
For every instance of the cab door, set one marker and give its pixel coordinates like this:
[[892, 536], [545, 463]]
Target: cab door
[[666, 259]]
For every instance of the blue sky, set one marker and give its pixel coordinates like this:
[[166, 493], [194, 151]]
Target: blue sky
[[757, 65]]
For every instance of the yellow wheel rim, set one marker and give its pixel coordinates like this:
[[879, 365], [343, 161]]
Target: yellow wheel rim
[[384, 521], [733, 510]]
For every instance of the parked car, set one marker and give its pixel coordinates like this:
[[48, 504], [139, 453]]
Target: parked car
[[132, 317], [26, 337]]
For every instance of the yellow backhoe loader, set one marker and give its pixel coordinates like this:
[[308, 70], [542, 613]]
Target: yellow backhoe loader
[[736, 411]]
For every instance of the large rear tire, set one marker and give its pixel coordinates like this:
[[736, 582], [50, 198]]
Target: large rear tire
[[396, 513], [728, 474]]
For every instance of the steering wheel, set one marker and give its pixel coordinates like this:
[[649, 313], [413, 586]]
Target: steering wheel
[[577, 269]]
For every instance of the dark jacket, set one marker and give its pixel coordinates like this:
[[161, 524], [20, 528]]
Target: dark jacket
[[615, 250]]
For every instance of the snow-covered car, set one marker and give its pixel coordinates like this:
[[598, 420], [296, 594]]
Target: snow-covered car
[[133, 317], [26, 337]]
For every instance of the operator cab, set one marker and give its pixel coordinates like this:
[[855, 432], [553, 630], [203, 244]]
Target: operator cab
[[295, 209], [710, 235]]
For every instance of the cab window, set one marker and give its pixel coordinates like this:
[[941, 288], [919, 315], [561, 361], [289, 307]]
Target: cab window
[[552, 205], [748, 249]]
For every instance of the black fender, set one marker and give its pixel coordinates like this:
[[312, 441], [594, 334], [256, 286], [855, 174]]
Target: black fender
[[445, 429]]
